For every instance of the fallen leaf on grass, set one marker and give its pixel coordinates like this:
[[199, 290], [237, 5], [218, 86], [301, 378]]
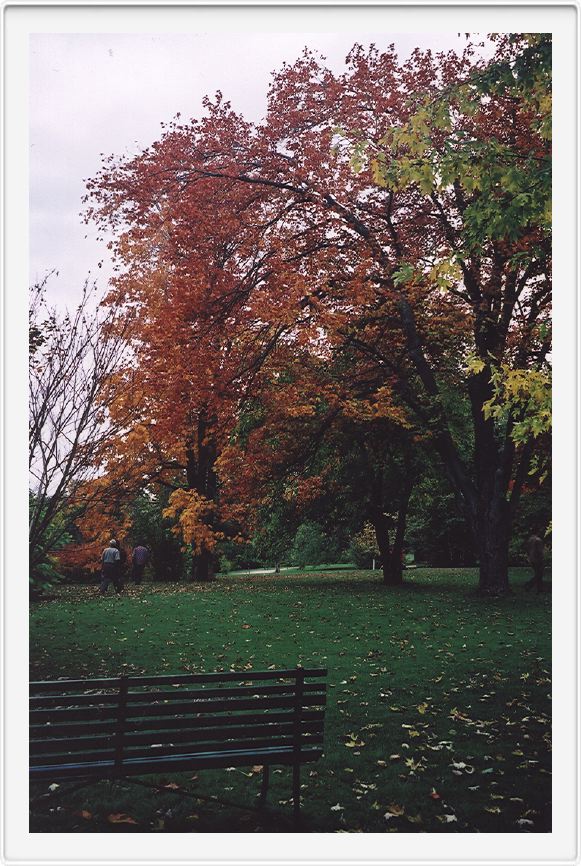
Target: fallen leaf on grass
[[257, 768], [246, 625], [460, 765], [172, 786], [446, 819], [494, 810], [84, 814], [415, 819], [121, 818], [337, 807], [434, 795], [422, 708], [53, 787]]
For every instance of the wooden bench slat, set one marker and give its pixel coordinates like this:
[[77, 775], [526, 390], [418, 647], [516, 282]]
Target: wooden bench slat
[[225, 705], [42, 686], [98, 727], [71, 744], [61, 758], [163, 709], [61, 686], [193, 761], [94, 727], [225, 747], [87, 714], [227, 676], [74, 700], [227, 692]]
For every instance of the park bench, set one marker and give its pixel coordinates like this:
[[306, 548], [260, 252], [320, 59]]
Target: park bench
[[114, 728]]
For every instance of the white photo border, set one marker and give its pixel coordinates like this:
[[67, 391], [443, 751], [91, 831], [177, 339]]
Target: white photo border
[[19, 846]]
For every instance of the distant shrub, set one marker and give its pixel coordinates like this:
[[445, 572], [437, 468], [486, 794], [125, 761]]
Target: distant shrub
[[364, 549], [310, 546]]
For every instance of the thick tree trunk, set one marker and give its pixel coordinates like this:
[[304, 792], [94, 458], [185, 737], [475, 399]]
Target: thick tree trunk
[[493, 527], [485, 494], [490, 507], [394, 575], [392, 555], [203, 567], [393, 570]]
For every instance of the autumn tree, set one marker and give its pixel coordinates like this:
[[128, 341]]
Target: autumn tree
[[194, 278], [450, 210], [396, 213], [479, 150]]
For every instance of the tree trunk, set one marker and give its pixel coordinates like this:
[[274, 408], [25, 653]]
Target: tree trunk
[[395, 567], [200, 459], [490, 507], [492, 537], [381, 526], [393, 570], [203, 568], [391, 555], [485, 495]]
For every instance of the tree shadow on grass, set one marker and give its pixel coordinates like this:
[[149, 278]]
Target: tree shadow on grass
[[420, 581], [119, 807]]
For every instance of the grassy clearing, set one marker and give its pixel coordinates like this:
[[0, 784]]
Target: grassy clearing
[[438, 717]]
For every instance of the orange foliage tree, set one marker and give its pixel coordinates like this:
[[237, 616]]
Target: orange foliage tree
[[392, 220]]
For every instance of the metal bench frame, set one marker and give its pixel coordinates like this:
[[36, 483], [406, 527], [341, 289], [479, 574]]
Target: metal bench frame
[[114, 728]]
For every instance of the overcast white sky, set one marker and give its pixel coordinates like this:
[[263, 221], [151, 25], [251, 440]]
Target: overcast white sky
[[108, 93]]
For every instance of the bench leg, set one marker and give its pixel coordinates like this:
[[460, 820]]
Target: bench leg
[[296, 794], [264, 785]]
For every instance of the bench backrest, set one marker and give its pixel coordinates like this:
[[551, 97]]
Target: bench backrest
[[136, 722]]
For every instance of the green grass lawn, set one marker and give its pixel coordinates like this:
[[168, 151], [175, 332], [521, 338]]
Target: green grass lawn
[[438, 716]]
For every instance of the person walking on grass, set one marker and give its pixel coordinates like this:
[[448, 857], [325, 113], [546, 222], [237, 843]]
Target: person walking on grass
[[120, 567], [536, 557], [110, 565], [139, 559]]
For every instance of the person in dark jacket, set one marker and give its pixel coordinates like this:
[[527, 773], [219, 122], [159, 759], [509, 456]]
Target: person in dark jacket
[[139, 559], [536, 557], [121, 568]]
